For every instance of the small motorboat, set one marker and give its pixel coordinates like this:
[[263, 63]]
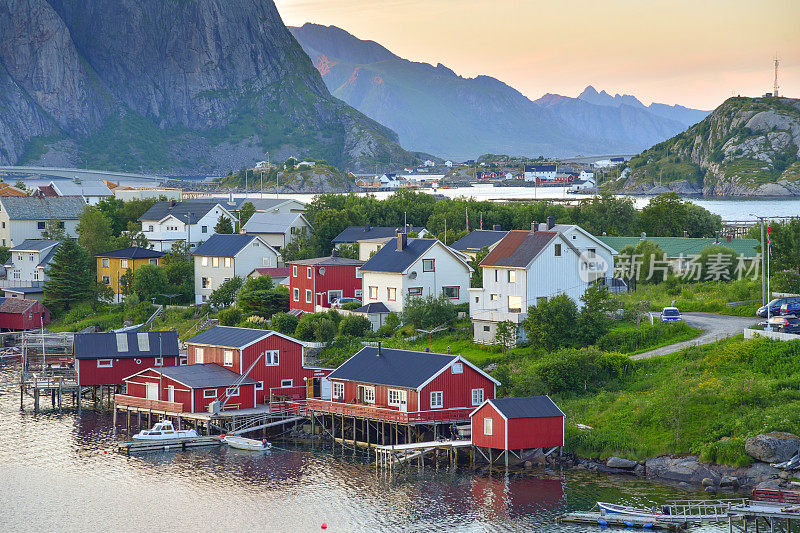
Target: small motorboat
[[242, 443], [613, 508], [165, 431]]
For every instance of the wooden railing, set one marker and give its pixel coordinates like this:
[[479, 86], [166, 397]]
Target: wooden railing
[[144, 403], [386, 414], [776, 496]]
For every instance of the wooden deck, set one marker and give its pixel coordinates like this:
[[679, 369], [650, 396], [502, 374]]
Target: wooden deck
[[384, 414], [392, 456]]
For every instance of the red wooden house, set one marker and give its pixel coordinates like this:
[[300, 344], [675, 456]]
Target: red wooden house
[[108, 358], [193, 387], [320, 281], [406, 386], [279, 368], [518, 424], [20, 314]]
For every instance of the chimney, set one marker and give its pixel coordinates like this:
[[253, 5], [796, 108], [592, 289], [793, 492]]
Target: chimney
[[551, 222], [379, 348], [172, 203], [334, 253], [448, 350], [401, 241], [534, 226], [496, 227], [367, 227]]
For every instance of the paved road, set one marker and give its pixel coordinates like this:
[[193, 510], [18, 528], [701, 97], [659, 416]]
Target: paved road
[[80, 172], [715, 327]]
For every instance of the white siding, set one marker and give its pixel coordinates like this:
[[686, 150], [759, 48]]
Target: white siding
[[249, 258]]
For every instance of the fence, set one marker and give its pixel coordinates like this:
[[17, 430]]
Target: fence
[[145, 403]]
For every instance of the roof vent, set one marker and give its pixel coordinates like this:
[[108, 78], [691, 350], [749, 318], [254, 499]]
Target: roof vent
[[448, 350], [122, 342], [534, 226]]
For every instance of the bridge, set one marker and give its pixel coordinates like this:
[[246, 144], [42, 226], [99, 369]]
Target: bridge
[[81, 173]]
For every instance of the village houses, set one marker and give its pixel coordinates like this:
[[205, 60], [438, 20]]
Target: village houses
[[370, 239], [277, 229], [114, 265], [27, 217], [319, 282], [166, 223]]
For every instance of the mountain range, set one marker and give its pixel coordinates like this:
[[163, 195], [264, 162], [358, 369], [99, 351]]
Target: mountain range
[[169, 86], [435, 110]]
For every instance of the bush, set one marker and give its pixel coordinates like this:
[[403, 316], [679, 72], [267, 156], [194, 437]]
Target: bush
[[76, 314], [319, 327], [628, 340], [551, 324], [355, 326], [284, 323], [429, 312], [230, 316], [726, 452], [255, 321], [352, 306]]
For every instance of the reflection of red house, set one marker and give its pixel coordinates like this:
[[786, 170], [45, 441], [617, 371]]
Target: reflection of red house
[[510, 497], [19, 314], [518, 423], [322, 280]]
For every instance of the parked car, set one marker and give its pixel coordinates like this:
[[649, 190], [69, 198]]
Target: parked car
[[339, 302], [670, 314], [784, 324], [775, 306], [790, 308]]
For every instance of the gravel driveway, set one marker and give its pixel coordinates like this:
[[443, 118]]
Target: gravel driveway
[[714, 327]]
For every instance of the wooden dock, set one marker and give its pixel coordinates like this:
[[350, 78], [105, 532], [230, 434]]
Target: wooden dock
[[596, 518], [393, 456], [175, 444]]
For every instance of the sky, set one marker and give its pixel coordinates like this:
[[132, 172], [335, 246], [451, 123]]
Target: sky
[[695, 53]]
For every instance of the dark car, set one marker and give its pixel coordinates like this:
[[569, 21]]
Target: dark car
[[790, 308], [775, 306], [791, 324]]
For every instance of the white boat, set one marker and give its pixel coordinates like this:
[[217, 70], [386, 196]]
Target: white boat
[[613, 508], [242, 443], [164, 431]]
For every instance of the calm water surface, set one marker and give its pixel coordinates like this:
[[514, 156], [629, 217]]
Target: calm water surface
[[58, 473]]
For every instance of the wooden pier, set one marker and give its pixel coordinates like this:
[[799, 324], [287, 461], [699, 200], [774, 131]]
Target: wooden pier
[[598, 519], [391, 457], [178, 444], [769, 511]]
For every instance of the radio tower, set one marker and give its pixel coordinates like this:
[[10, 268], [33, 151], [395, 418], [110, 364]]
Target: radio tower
[[775, 89]]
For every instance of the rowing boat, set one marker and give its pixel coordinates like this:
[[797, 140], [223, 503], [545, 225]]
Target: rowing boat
[[242, 443]]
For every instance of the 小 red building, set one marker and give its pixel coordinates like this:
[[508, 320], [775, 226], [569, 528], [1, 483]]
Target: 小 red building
[[21, 314], [107, 358], [320, 281], [518, 424]]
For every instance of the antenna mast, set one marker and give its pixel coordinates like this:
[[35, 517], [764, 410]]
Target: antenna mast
[[775, 89]]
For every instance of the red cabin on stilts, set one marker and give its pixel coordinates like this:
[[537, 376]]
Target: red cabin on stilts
[[518, 424]]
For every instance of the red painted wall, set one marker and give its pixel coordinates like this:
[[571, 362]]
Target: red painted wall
[[381, 395], [497, 439], [339, 277], [89, 374], [457, 388], [31, 319], [525, 433], [138, 387]]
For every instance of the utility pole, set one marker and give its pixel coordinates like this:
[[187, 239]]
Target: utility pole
[[775, 88], [763, 260], [188, 230]]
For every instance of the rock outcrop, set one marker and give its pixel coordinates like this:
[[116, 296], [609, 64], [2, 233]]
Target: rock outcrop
[[772, 447], [688, 469]]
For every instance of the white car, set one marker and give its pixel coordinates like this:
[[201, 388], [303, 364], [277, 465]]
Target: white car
[[339, 302], [670, 314]]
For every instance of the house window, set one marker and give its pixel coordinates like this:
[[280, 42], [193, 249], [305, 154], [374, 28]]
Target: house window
[[334, 295], [458, 368], [367, 394], [428, 265], [494, 297], [512, 276], [592, 252], [487, 426], [215, 262], [105, 363], [309, 272], [395, 397], [154, 262], [260, 385], [557, 249], [228, 355], [415, 291], [106, 279], [515, 304], [123, 263], [106, 262], [437, 399], [209, 393], [265, 261], [41, 225], [373, 293], [227, 262], [204, 261], [286, 383], [159, 361], [338, 390], [205, 283], [204, 229], [30, 257], [271, 357], [391, 294], [150, 227], [198, 355], [358, 293], [496, 275], [232, 392], [182, 361], [487, 328], [296, 294], [36, 276], [477, 397], [19, 257], [294, 271], [308, 296], [450, 292]]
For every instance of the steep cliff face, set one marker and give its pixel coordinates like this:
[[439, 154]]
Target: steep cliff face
[[745, 147], [173, 85]]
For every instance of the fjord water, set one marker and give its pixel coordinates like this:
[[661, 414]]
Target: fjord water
[[58, 472]]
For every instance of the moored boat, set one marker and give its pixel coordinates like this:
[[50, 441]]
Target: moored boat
[[613, 508], [242, 443], [164, 431]]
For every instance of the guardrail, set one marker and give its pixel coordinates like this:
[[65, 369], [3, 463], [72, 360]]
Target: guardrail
[[776, 496], [387, 414], [145, 403]]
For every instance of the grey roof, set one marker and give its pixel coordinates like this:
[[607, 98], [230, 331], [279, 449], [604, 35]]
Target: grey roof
[[230, 337], [84, 188], [261, 204], [181, 210], [34, 245], [527, 407], [398, 368], [224, 244], [519, 248], [359, 233], [478, 239], [375, 307], [270, 222], [42, 208], [390, 259], [203, 375], [46, 257], [125, 345], [24, 290], [331, 260]]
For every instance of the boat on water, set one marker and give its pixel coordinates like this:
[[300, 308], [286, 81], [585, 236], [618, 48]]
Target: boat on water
[[242, 443], [164, 431], [613, 508]]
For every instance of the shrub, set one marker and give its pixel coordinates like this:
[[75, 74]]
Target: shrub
[[551, 324], [255, 321], [319, 327], [726, 452], [429, 312], [230, 316], [355, 326], [352, 306], [628, 340], [284, 323]]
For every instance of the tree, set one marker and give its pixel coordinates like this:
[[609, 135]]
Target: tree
[[20, 185], [716, 263], [593, 320], [71, 280], [126, 282], [5, 254], [551, 323], [646, 262], [94, 230], [429, 312], [149, 281], [225, 294], [245, 212], [477, 274], [264, 303], [506, 335], [319, 327], [260, 283], [178, 266], [284, 323], [224, 225], [668, 215], [54, 230], [355, 326], [133, 236]]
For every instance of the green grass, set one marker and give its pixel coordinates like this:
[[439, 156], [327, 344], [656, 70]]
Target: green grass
[[708, 296], [627, 338]]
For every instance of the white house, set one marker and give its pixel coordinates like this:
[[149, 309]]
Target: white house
[[26, 217], [448, 164], [126, 194], [27, 266], [277, 230], [429, 163], [224, 256], [414, 267], [91, 191], [541, 171], [166, 223], [528, 267]]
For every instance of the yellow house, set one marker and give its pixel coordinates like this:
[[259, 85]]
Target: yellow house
[[111, 266]]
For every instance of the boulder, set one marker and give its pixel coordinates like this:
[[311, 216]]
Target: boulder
[[772, 447], [619, 462], [729, 482], [707, 482]]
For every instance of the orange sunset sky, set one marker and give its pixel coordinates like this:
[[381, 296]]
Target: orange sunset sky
[[694, 53]]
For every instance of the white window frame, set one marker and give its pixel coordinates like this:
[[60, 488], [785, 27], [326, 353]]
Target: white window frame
[[204, 261], [437, 395], [260, 385], [287, 383], [294, 271], [510, 307], [215, 262], [105, 363], [391, 293], [458, 368], [373, 292], [368, 395], [512, 276], [123, 263], [227, 358], [337, 390], [395, 397], [199, 356], [213, 393], [296, 294], [159, 361], [309, 272], [334, 295], [480, 398], [205, 282], [227, 262], [232, 392], [272, 358], [358, 292], [105, 262], [309, 296], [487, 426], [183, 361]]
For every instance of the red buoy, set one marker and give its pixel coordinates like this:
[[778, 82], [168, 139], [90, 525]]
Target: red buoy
[[324, 525]]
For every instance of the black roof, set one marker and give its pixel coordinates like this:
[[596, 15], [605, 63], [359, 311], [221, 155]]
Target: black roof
[[399, 368], [228, 336], [541, 167], [374, 307], [527, 407], [181, 210], [478, 239], [107, 345], [224, 244], [390, 259], [203, 375], [133, 252], [358, 233]]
